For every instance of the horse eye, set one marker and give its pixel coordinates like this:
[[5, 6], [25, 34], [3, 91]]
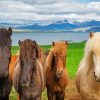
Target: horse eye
[[92, 52], [65, 55]]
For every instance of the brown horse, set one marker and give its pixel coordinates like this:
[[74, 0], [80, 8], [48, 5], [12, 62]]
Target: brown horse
[[28, 78], [5, 58], [56, 75]]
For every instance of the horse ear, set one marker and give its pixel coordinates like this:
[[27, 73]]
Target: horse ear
[[10, 31], [19, 42], [53, 43], [91, 34], [34, 42], [66, 42], [38, 51]]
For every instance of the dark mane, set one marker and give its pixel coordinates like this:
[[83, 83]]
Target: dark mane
[[5, 37], [27, 47]]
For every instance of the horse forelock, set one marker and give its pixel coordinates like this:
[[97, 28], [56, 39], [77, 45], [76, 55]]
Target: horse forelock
[[26, 50], [59, 49]]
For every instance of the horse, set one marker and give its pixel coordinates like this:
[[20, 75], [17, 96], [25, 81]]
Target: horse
[[56, 74], [88, 74], [11, 66], [28, 76], [5, 58]]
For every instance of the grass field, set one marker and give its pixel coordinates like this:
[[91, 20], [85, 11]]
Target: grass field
[[74, 55]]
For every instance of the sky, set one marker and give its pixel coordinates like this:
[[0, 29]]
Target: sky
[[48, 11]]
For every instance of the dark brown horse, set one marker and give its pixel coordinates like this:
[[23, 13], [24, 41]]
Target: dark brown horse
[[56, 75], [28, 76], [5, 58]]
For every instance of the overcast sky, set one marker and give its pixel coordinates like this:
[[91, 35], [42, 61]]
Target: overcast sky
[[48, 11]]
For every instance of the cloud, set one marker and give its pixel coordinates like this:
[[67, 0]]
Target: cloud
[[47, 11]]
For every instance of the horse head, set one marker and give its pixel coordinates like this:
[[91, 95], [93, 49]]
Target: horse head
[[93, 46], [5, 51], [58, 57], [29, 52]]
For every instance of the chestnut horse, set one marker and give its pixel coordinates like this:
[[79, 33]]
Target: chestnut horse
[[28, 77], [88, 74], [5, 58], [11, 66], [56, 75]]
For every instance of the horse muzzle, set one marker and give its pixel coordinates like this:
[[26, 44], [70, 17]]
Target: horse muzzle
[[60, 73], [97, 78], [25, 83]]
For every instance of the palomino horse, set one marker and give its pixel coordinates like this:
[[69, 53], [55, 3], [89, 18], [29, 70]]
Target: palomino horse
[[5, 58], [56, 75], [28, 77], [88, 75]]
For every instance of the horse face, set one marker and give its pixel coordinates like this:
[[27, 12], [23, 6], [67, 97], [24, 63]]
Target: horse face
[[59, 63], [28, 56], [96, 61], [60, 66], [59, 57], [26, 73]]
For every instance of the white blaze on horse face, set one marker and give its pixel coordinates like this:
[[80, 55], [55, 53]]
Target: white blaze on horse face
[[96, 60]]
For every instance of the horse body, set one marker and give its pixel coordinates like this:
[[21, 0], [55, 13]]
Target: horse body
[[28, 78], [87, 82], [56, 75], [5, 58]]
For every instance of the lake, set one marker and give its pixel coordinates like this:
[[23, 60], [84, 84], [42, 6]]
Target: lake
[[47, 38]]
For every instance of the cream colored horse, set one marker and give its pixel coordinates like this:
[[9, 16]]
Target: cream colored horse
[[88, 75]]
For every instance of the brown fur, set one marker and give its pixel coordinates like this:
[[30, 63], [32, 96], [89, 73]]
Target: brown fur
[[29, 51], [5, 54], [56, 85]]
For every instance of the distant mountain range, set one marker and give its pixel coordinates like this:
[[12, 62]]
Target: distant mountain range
[[65, 25]]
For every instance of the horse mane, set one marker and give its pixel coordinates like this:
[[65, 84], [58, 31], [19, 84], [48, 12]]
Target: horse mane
[[56, 49], [5, 37], [91, 45], [49, 59], [27, 47]]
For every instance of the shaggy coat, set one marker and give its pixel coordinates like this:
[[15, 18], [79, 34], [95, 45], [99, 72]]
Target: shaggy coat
[[56, 75], [5, 58], [88, 74], [31, 87]]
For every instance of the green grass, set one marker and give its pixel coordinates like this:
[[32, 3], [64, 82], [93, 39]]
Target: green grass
[[74, 55]]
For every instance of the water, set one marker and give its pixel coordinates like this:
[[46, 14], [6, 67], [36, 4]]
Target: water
[[47, 38]]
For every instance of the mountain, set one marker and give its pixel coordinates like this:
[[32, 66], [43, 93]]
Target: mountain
[[94, 29], [87, 23], [53, 26], [61, 25]]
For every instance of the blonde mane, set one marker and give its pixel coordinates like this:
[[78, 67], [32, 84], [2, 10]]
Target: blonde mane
[[93, 44]]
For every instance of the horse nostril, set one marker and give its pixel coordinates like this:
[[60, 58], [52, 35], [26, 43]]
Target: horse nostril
[[59, 72], [94, 74]]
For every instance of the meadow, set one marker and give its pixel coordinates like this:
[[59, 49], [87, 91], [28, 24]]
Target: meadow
[[74, 55]]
